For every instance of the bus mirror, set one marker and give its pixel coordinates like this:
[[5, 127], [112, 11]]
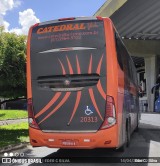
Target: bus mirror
[[154, 87], [152, 90]]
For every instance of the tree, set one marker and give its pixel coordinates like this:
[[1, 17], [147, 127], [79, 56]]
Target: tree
[[12, 65]]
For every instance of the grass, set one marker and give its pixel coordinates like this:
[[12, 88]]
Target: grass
[[13, 134], [13, 114]]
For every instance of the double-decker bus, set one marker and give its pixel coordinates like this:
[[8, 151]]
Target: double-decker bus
[[81, 85]]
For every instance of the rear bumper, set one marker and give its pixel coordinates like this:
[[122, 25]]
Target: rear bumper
[[102, 139]]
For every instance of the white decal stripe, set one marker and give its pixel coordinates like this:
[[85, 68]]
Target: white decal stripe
[[67, 49], [70, 131]]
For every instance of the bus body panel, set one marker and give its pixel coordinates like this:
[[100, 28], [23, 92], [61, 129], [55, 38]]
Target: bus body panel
[[69, 78], [112, 81], [101, 139], [28, 66]]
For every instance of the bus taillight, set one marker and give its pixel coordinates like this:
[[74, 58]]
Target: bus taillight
[[99, 18], [65, 19], [35, 25], [110, 118], [31, 119]]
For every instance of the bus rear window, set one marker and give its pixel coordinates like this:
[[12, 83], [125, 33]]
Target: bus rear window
[[70, 34]]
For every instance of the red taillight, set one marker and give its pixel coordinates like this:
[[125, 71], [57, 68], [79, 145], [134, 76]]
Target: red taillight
[[110, 118], [31, 118], [35, 25], [65, 19], [30, 108], [99, 18]]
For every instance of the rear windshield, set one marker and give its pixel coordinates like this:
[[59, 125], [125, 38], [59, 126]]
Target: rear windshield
[[54, 44], [86, 33]]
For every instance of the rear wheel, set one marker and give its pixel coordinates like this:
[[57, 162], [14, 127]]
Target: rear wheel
[[127, 138], [128, 133], [137, 127], [122, 148]]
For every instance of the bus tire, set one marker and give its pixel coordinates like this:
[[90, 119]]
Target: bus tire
[[122, 148], [137, 127], [127, 138], [128, 133]]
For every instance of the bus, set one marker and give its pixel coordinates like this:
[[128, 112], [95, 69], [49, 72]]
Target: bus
[[82, 88], [156, 90]]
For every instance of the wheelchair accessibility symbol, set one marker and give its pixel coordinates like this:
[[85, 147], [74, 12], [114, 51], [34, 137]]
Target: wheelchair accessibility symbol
[[88, 111]]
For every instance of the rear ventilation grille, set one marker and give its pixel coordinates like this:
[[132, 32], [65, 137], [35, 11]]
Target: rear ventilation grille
[[72, 82]]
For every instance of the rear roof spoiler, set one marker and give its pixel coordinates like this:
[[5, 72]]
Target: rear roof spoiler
[[69, 19]]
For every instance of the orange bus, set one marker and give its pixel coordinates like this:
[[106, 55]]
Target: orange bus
[[81, 85]]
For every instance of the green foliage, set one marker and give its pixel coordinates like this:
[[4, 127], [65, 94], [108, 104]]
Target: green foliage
[[12, 65], [13, 114], [13, 134]]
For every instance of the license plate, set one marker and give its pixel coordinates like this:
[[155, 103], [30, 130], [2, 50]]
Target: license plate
[[69, 142]]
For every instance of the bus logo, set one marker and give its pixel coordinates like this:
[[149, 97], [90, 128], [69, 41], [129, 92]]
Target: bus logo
[[88, 111], [67, 82], [61, 28]]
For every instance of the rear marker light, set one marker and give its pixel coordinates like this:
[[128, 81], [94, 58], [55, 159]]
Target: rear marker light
[[87, 140], [51, 140], [35, 25], [31, 119], [110, 118], [64, 19], [34, 141], [107, 142], [99, 18]]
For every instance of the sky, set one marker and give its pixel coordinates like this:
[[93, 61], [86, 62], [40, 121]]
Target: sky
[[18, 15]]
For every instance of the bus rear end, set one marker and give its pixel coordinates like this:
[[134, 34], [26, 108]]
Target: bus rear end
[[68, 103]]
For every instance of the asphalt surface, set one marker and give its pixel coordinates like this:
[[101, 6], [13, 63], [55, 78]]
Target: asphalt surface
[[144, 143]]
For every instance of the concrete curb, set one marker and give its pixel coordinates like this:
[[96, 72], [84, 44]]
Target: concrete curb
[[12, 121], [13, 147], [150, 113]]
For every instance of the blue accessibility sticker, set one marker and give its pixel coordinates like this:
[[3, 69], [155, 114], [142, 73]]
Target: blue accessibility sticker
[[88, 111]]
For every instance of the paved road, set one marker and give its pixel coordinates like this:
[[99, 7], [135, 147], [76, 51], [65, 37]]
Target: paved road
[[145, 143]]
